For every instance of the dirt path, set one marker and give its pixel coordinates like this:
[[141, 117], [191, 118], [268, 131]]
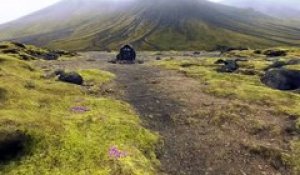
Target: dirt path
[[158, 112], [202, 134]]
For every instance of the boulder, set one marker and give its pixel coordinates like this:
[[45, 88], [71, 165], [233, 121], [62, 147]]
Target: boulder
[[275, 53], [229, 66], [282, 79], [69, 77]]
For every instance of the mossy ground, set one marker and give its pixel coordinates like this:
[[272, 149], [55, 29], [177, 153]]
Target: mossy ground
[[242, 86], [72, 132]]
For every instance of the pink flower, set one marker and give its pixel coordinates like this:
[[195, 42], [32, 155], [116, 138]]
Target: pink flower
[[80, 109], [115, 153]]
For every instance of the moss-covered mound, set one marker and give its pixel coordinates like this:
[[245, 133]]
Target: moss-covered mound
[[30, 52], [70, 132]]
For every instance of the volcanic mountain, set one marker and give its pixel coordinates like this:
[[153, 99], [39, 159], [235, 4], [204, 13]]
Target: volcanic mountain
[[148, 25]]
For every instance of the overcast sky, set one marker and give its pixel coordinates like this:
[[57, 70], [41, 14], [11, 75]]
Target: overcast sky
[[13, 9]]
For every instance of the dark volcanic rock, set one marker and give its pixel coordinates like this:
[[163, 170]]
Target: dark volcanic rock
[[275, 53], [282, 79], [229, 66], [70, 77]]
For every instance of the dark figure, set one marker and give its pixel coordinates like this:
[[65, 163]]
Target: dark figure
[[127, 53]]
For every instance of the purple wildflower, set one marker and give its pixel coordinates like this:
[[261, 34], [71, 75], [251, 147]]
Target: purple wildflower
[[79, 109], [115, 153]]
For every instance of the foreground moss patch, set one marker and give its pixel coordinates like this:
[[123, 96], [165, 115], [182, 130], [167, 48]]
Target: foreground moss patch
[[72, 132]]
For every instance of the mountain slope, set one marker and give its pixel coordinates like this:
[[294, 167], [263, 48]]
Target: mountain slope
[[148, 24], [280, 8]]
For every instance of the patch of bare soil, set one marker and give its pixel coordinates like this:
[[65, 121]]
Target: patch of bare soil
[[201, 133]]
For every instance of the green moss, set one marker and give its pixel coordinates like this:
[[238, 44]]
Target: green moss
[[72, 132], [95, 76]]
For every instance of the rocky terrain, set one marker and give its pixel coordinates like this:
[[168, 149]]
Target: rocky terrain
[[196, 113]]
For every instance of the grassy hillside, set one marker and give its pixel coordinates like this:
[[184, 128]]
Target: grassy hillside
[[50, 126], [159, 25]]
